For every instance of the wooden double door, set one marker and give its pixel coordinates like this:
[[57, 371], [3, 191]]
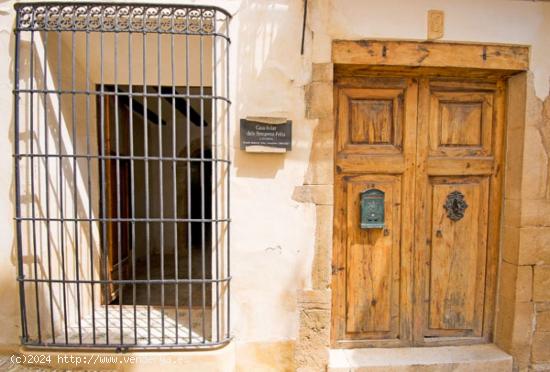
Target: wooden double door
[[432, 147]]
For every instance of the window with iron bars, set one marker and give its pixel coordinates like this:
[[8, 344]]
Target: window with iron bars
[[121, 154]]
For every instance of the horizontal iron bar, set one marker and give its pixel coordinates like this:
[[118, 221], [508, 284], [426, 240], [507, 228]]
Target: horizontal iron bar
[[103, 31], [150, 219], [126, 281], [119, 93], [188, 345], [121, 157]]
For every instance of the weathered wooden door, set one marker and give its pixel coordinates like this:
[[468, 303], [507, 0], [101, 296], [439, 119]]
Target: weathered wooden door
[[433, 146], [117, 198]]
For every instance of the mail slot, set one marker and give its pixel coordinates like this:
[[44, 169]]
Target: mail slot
[[372, 209]]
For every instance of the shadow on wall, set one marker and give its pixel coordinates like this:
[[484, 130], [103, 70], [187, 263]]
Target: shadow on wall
[[268, 53], [49, 249]]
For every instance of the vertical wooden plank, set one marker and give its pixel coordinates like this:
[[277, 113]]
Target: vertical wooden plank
[[338, 268], [495, 201], [410, 107], [422, 205]]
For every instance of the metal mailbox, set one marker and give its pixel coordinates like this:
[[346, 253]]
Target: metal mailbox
[[372, 209]]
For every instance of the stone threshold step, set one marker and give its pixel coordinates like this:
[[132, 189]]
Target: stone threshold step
[[471, 358]]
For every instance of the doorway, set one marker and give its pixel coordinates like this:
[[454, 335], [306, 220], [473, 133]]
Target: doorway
[[157, 211], [432, 143]]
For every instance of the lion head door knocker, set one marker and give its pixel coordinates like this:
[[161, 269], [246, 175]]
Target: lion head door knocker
[[455, 205]]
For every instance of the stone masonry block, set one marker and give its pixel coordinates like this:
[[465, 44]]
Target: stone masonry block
[[319, 100], [510, 244], [535, 166], [541, 347], [543, 320], [314, 333], [534, 248], [541, 285], [321, 271], [535, 213], [322, 72]]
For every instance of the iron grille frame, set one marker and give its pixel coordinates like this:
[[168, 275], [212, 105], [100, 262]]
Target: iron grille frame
[[123, 19]]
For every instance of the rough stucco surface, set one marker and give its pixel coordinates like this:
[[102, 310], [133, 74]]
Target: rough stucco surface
[[275, 248]]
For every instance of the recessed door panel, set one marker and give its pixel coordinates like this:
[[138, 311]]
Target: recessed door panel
[[372, 261], [458, 251], [372, 120], [461, 123]]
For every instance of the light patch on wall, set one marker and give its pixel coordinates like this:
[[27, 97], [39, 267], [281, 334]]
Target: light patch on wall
[[267, 34]]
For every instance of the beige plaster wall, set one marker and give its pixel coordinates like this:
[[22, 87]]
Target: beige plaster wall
[[274, 221], [498, 21]]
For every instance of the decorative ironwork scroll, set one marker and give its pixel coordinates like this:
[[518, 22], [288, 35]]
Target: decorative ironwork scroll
[[181, 19]]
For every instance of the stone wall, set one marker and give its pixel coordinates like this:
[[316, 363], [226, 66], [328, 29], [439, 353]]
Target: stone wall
[[533, 246]]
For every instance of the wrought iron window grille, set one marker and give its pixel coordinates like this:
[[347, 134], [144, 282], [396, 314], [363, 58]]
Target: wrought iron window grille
[[121, 155]]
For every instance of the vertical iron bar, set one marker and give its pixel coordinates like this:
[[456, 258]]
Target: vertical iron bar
[[47, 177], [228, 170], [61, 185], [304, 28], [75, 196], [203, 234], [174, 179], [20, 269], [89, 167], [161, 181], [120, 287], [146, 157], [105, 248], [132, 181], [188, 163], [215, 150], [33, 196]]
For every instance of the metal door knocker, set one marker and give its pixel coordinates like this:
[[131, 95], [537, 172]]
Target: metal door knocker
[[455, 205]]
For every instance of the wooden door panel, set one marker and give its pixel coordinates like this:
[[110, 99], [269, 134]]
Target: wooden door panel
[[460, 166], [371, 272], [457, 261], [461, 123], [460, 133], [370, 120], [372, 262]]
